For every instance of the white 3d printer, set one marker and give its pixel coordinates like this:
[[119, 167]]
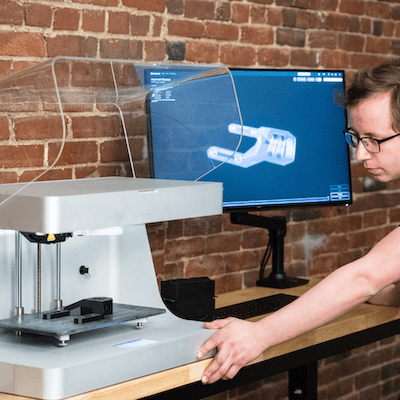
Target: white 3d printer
[[81, 307]]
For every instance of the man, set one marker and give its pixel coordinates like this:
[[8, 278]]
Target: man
[[373, 99]]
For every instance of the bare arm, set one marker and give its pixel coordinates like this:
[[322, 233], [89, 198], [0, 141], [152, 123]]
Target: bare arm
[[239, 342]]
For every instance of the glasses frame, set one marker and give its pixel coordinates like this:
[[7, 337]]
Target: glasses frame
[[351, 132]]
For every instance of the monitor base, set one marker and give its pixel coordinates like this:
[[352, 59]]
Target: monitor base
[[279, 281]]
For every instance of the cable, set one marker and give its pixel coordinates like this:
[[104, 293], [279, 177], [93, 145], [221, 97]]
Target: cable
[[265, 259]]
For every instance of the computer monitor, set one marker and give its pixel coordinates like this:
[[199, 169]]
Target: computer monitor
[[292, 151], [289, 151]]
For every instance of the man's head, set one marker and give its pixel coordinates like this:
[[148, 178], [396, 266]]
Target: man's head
[[381, 79], [373, 100]]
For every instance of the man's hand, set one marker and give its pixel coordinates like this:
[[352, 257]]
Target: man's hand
[[237, 342]]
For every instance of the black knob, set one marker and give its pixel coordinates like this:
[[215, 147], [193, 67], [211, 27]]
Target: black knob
[[83, 270]]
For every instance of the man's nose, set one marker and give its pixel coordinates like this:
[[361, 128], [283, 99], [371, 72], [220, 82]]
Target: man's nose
[[362, 154]]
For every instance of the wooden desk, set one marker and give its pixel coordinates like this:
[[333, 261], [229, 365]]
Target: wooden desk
[[365, 325]]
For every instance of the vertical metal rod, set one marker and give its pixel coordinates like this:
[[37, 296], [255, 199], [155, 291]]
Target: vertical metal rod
[[58, 301], [39, 279], [18, 267], [19, 310]]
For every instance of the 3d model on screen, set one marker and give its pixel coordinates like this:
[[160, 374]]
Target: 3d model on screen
[[273, 145]]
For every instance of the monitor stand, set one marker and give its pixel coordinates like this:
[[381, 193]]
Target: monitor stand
[[277, 232]]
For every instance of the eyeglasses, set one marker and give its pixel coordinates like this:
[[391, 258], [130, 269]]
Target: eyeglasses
[[370, 144]]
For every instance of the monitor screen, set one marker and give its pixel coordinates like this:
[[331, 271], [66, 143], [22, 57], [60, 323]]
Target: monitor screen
[[285, 148]]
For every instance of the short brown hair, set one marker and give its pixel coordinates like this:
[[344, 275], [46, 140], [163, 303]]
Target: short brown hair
[[380, 79]]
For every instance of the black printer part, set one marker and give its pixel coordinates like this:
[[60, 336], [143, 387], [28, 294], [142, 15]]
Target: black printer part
[[191, 298], [86, 310], [46, 238]]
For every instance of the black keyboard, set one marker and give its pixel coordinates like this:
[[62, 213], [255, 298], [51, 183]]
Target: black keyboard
[[253, 308]]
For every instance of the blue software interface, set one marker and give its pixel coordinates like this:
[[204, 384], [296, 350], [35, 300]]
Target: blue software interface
[[290, 149]]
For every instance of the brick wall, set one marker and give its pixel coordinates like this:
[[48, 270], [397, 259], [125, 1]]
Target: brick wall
[[345, 34]]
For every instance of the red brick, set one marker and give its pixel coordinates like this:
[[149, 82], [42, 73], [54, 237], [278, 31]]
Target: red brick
[[199, 9], [378, 45], [38, 128], [346, 257], [74, 153], [118, 22], [388, 28], [325, 40], [121, 48], [175, 7], [105, 3], [273, 57], [228, 283], [8, 177], [148, 5], [326, 5], [274, 17], [157, 25], [26, 44], [169, 270], [154, 50], [93, 21], [337, 22], [200, 51], [95, 126], [257, 35], [156, 237], [243, 260], [262, 1], [4, 128], [322, 265], [21, 156], [87, 74], [304, 58], [240, 13], [223, 243], [214, 224], [38, 15], [140, 25], [185, 247], [174, 229], [63, 45], [365, 26], [351, 42], [290, 37], [11, 12], [5, 67], [237, 55], [221, 31], [352, 7], [394, 215], [207, 265], [258, 14], [186, 28], [378, 10], [367, 378], [195, 226], [113, 150], [66, 19], [308, 20], [223, 12], [255, 238]]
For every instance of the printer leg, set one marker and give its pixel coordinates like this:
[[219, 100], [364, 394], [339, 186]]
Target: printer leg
[[303, 382]]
